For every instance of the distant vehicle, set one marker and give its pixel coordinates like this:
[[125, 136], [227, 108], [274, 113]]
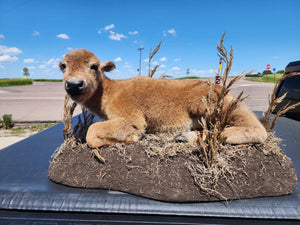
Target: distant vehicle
[[290, 85]]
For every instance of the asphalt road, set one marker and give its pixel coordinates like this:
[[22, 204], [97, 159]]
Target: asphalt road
[[43, 101]]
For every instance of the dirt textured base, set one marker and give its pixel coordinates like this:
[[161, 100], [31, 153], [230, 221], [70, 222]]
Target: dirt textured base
[[161, 169]]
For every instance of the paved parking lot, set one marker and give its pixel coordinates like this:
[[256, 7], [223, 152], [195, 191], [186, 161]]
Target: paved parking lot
[[42, 101]]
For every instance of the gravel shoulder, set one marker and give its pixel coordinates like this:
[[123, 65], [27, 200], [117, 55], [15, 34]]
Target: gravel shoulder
[[7, 138]]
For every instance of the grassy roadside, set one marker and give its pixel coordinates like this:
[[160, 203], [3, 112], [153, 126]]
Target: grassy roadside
[[15, 82], [47, 80], [20, 81], [272, 78], [26, 130]]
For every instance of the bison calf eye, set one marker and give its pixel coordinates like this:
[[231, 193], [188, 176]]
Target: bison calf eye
[[62, 66], [94, 67]]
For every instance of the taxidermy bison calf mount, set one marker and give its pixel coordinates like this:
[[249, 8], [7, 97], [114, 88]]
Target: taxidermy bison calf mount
[[141, 105]]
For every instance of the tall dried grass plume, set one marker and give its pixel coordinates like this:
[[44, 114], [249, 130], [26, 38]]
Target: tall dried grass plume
[[269, 121]]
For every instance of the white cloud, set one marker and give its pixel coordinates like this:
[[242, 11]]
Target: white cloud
[[177, 60], [31, 67], [203, 73], [132, 72], [42, 66], [118, 59], [35, 33], [106, 28], [8, 59], [109, 27], [133, 32], [69, 48], [154, 63], [29, 60], [175, 68], [146, 60], [4, 50], [2, 36], [8, 54], [50, 63], [172, 31], [115, 36], [162, 66], [2, 67], [163, 59], [53, 62], [126, 65], [63, 36]]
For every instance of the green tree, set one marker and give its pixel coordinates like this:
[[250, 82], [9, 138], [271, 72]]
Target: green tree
[[280, 71], [267, 72], [7, 121]]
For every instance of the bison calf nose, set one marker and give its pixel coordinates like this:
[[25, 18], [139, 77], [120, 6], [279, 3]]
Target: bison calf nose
[[75, 88]]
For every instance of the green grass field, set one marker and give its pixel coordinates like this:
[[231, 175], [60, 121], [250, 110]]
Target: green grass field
[[15, 82], [272, 78], [47, 80], [188, 77], [21, 81]]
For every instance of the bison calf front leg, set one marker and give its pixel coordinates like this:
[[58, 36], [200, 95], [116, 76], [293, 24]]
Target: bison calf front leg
[[113, 131]]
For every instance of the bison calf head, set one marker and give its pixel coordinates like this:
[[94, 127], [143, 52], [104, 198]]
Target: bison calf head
[[83, 73]]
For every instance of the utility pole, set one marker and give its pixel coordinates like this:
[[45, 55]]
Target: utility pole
[[140, 70]]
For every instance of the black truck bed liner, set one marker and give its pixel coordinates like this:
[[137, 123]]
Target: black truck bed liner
[[26, 192]]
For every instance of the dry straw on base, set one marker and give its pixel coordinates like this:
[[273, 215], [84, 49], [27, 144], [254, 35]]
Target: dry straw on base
[[84, 121], [216, 115]]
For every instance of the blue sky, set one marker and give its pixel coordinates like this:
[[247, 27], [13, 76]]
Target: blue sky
[[37, 34]]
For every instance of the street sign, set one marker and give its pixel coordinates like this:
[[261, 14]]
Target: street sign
[[218, 79], [25, 70], [268, 66]]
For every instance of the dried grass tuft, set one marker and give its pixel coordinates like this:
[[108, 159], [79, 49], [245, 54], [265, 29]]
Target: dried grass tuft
[[80, 129], [151, 55], [163, 76], [83, 124], [269, 121], [216, 115], [67, 118]]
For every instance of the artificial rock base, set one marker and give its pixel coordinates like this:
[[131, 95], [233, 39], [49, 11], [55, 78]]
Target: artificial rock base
[[161, 169]]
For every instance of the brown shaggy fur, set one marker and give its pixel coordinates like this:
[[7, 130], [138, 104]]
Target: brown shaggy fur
[[145, 105]]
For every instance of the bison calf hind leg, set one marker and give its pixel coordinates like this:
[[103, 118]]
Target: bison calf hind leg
[[245, 128]]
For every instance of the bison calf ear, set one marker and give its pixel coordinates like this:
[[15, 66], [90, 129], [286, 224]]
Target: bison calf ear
[[107, 66]]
